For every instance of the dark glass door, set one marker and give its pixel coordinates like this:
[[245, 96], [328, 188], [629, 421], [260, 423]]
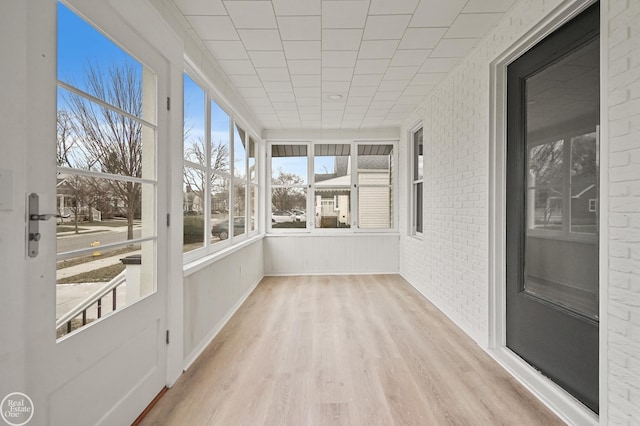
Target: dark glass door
[[552, 206]]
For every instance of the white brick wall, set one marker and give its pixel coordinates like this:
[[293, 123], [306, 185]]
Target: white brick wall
[[449, 265], [623, 104]]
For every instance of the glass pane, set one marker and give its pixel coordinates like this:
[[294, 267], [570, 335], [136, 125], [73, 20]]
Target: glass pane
[[289, 164], [93, 137], [561, 263], [253, 173], [239, 153], [194, 122], [240, 208], [332, 208], [374, 207], [332, 165], [584, 184], [220, 139], [418, 157], [193, 208], [418, 188], [289, 207], [546, 186], [97, 211], [375, 203], [96, 65], [219, 208]]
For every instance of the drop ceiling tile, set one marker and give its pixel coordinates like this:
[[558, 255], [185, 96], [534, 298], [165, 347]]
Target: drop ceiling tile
[[299, 80], [285, 106], [386, 96], [299, 27], [264, 110], [227, 49], [400, 73], [304, 66], [356, 109], [353, 116], [376, 114], [258, 102], [339, 58], [371, 66], [362, 91], [415, 90], [401, 109], [393, 85], [439, 64], [472, 25], [392, 7], [310, 102], [302, 49], [394, 117], [296, 7], [453, 48], [251, 14], [268, 59], [350, 124], [282, 97], [252, 92], [201, 7], [479, 6], [245, 80], [337, 74], [366, 80], [386, 27], [261, 39], [307, 92], [377, 49], [409, 58], [421, 38], [278, 86], [386, 105], [428, 79], [344, 14], [436, 13], [241, 67], [214, 27], [406, 99], [359, 100], [273, 74], [330, 87], [333, 108], [341, 39]]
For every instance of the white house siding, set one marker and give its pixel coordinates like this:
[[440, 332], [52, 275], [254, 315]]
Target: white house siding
[[449, 263], [624, 212], [374, 202]]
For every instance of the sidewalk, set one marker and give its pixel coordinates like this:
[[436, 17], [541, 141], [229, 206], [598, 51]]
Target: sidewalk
[[94, 264]]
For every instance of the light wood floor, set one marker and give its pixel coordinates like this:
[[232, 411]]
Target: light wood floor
[[344, 350]]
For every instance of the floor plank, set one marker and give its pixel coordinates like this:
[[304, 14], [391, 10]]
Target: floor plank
[[344, 350]]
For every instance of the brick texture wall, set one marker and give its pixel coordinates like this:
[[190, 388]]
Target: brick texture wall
[[449, 265], [624, 212]]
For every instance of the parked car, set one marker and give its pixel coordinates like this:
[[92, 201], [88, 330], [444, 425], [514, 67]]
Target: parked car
[[299, 215], [221, 230], [279, 216]]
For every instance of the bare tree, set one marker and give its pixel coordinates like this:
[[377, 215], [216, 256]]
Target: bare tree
[[194, 178], [285, 194], [108, 139]]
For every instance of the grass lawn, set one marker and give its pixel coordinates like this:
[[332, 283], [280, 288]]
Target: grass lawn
[[90, 258], [105, 274]]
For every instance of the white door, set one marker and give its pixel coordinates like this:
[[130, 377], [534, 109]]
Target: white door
[[103, 176]]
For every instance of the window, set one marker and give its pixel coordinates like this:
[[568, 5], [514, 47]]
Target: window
[[220, 174], [350, 187], [106, 175], [417, 182]]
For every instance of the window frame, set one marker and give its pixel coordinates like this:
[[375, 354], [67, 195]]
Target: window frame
[[209, 247], [415, 184], [310, 186]]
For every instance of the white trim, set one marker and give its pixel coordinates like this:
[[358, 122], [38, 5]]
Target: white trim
[[325, 274], [603, 225], [203, 261], [197, 351], [565, 406], [557, 399]]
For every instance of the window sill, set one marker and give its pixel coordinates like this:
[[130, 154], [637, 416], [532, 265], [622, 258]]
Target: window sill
[[196, 265], [333, 234]]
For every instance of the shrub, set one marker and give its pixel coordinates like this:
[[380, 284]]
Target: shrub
[[193, 229]]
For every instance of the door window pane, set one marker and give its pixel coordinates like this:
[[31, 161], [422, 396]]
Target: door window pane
[[561, 248]]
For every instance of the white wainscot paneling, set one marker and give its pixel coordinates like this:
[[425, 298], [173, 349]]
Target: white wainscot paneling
[[331, 254]]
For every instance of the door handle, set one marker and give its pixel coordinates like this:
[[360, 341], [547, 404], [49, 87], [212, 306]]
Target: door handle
[[33, 235]]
